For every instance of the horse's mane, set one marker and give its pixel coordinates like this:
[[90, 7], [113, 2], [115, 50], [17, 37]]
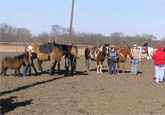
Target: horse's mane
[[103, 50], [19, 57], [63, 47]]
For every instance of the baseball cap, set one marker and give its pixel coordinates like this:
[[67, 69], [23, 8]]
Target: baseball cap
[[134, 45], [30, 48]]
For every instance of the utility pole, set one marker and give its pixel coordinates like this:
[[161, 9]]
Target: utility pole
[[71, 21]]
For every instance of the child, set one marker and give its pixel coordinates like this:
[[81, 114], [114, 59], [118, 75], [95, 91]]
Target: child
[[112, 61], [26, 52], [159, 57]]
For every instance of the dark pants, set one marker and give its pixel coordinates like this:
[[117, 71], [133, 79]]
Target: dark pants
[[112, 64]]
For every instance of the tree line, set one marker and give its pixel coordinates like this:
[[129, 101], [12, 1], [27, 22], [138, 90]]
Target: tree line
[[60, 35]]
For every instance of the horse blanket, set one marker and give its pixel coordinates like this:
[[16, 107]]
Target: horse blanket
[[93, 53]]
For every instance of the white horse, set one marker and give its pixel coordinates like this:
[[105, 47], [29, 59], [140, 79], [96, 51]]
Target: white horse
[[150, 52]]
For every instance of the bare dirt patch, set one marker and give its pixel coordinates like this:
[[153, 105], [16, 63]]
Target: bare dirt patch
[[83, 93]]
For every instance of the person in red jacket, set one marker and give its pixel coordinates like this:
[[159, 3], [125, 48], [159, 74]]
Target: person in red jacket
[[159, 57]]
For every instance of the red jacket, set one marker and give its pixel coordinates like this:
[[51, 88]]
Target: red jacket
[[159, 56]]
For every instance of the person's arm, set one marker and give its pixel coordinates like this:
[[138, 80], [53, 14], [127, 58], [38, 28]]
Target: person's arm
[[154, 56], [139, 56]]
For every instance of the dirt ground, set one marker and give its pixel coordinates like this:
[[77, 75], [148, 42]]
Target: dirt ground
[[84, 93]]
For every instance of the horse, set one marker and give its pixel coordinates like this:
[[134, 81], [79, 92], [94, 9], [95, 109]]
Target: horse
[[122, 54], [14, 63], [58, 50], [148, 50], [98, 55]]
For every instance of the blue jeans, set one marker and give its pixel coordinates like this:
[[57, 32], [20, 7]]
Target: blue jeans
[[143, 48], [159, 73], [25, 70], [134, 66], [112, 64]]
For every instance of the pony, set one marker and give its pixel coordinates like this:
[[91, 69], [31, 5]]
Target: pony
[[148, 50], [99, 56], [14, 63], [122, 54], [58, 50]]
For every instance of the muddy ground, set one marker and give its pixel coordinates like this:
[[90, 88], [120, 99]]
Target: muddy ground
[[84, 93]]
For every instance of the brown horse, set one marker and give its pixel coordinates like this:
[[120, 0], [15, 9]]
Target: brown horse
[[98, 55], [58, 51], [122, 54], [14, 63]]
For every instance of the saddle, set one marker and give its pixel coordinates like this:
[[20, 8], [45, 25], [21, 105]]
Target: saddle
[[93, 52], [46, 48]]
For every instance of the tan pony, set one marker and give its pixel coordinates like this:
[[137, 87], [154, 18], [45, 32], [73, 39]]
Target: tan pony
[[122, 54], [57, 52]]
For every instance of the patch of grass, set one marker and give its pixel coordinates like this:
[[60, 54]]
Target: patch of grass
[[81, 110], [153, 112], [163, 105], [73, 101]]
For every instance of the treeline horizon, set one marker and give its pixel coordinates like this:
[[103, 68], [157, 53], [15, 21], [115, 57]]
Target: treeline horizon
[[60, 35]]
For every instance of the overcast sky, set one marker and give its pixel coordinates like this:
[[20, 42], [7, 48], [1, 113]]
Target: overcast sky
[[130, 17]]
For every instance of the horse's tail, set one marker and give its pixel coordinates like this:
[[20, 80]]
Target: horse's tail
[[86, 51], [2, 69]]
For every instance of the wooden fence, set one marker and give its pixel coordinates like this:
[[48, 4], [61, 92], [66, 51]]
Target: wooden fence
[[20, 47]]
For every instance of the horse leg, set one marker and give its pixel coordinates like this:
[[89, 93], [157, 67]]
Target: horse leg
[[59, 71], [34, 68], [30, 64], [101, 65], [87, 64], [52, 66], [98, 66], [40, 65], [18, 72], [118, 66], [5, 71], [73, 65], [15, 72], [123, 67]]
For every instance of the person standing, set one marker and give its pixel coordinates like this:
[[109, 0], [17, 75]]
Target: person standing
[[26, 52], [159, 57], [112, 61], [136, 57]]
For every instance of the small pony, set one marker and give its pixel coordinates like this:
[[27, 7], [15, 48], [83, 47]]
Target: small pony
[[14, 63]]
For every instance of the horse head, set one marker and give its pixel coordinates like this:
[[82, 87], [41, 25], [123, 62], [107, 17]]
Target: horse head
[[74, 51], [129, 51], [23, 59], [105, 49]]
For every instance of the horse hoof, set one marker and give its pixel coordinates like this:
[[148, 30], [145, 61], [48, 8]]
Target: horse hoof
[[97, 72]]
